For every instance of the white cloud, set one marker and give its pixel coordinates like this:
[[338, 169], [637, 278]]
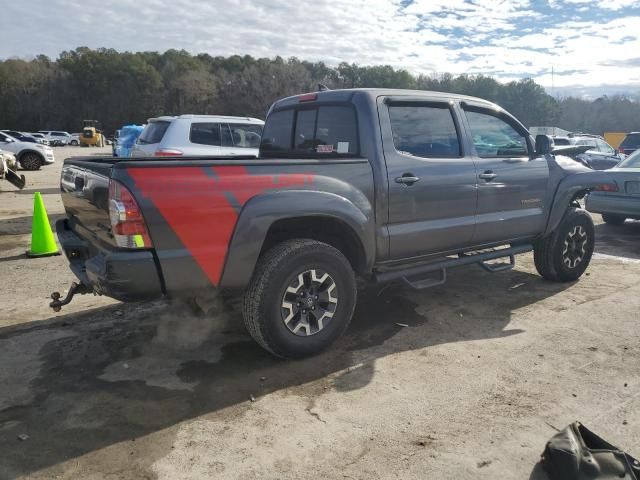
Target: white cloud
[[500, 37]]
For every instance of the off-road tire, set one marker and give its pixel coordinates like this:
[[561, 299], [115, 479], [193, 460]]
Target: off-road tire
[[30, 161], [551, 255], [613, 219], [262, 305]]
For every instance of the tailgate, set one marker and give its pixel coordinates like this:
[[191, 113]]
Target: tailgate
[[85, 194]]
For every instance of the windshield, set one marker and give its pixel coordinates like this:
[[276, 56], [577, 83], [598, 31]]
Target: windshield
[[632, 161]]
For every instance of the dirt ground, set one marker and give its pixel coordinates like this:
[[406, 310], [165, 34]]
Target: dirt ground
[[486, 370]]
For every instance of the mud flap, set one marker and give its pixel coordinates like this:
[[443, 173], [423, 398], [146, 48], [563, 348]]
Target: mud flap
[[15, 179], [576, 453]]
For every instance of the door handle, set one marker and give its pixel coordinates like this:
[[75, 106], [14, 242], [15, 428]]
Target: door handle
[[488, 175], [407, 179]]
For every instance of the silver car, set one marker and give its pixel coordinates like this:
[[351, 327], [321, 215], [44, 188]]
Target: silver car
[[199, 135], [622, 199], [58, 137]]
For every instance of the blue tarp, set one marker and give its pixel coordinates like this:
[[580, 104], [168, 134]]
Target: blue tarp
[[128, 136]]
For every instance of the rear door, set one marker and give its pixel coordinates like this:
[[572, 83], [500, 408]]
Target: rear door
[[205, 138], [512, 184], [432, 177]]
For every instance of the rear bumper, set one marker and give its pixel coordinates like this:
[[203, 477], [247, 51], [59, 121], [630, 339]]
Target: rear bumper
[[618, 204], [123, 275]]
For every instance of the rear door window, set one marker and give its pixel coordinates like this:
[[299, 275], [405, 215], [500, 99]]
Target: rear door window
[[318, 131], [153, 133], [426, 131], [206, 133]]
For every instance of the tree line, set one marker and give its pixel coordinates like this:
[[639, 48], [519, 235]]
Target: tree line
[[119, 88]]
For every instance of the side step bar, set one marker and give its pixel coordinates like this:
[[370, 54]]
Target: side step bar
[[443, 265]]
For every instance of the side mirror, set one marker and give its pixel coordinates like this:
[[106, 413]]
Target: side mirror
[[544, 144]]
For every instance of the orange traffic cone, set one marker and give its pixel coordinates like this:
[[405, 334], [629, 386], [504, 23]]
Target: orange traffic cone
[[42, 242]]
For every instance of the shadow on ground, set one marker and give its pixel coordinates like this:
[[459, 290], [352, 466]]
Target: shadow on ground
[[22, 225], [43, 191], [80, 382], [619, 240]]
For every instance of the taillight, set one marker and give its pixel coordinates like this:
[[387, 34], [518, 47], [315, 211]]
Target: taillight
[[127, 224], [607, 187], [168, 152]]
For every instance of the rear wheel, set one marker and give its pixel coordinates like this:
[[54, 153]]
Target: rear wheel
[[301, 298], [613, 219], [74, 143], [30, 161], [564, 255]]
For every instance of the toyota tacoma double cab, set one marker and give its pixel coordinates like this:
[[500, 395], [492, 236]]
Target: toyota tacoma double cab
[[389, 185]]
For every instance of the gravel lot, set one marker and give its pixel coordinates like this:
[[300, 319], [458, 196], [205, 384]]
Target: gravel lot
[[488, 366]]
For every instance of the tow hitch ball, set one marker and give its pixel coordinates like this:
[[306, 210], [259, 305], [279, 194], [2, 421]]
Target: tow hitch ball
[[76, 288]]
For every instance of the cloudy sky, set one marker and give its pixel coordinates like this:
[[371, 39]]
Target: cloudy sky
[[593, 46]]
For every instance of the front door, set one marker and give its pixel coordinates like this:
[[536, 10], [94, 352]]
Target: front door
[[432, 179], [512, 183]]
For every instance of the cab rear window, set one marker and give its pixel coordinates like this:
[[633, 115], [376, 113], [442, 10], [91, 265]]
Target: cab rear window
[[318, 132]]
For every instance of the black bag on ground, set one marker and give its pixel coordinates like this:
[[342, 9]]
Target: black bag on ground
[[576, 453]]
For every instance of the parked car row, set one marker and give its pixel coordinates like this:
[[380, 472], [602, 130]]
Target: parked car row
[[30, 155], [46, 137]]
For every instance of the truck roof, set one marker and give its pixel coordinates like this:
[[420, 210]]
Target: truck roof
[[347, 93]]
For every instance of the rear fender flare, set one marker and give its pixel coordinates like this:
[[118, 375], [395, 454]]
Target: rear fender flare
[[261, 212]]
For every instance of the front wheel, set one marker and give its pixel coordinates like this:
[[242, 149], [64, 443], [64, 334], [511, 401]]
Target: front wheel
[[613, 219], [30, 161], [564, 255], [74, 143], [301, 298]]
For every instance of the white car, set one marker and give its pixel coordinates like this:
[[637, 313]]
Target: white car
[[58, 137], [199, 135], [31, 156], [41, 138]]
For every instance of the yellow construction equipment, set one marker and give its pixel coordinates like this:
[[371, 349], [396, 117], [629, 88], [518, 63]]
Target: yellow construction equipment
[[91, 134], [614, 138]]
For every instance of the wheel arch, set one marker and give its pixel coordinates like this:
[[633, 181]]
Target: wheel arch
[[26, 151], [268, 220]]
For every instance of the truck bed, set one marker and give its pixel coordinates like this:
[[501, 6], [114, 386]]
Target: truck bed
[[194, 206]]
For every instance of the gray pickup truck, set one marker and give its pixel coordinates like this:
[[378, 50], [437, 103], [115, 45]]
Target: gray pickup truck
[[390, 185]]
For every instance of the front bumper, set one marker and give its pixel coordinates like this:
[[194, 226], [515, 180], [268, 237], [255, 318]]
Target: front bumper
[[120, 274], [628, 205], [49, 157]]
